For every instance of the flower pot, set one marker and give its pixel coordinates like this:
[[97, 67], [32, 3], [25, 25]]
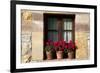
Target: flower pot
[[71, 55], [49, 55], [59, 54]]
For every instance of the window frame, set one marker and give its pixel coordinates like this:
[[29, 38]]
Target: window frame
[[59, 16]]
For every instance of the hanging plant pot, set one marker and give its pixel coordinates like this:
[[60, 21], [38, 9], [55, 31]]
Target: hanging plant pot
[[49, 55], [71, 55], [59, 54]]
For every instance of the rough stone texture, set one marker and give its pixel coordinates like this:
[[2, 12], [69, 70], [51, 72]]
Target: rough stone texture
[[82, 29], [26, 46], [32, 22], [26, 17], [26, 34], [82, 42]]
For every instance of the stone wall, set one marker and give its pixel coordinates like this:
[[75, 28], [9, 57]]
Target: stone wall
[[82, 28], [33, 22]]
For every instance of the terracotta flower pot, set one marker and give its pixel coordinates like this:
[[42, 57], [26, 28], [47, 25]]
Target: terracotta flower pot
[[49, 55], [59, 54], [71, 55]]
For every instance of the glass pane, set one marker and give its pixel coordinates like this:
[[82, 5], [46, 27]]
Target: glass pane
[[67, 36], [53, 36], [52, 22], [67, 24]]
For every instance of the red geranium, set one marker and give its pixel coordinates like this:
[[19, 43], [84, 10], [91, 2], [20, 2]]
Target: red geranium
[[58, 46], [70, 46], [61, 45]]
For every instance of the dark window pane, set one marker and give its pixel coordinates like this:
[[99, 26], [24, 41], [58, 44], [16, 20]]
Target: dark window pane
[[52, 23], [53, 36]]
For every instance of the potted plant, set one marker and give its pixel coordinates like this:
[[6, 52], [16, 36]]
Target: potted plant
[[48, 49], [58, 46], [70, 49]]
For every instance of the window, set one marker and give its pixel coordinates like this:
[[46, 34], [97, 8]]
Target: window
[[58, 27]]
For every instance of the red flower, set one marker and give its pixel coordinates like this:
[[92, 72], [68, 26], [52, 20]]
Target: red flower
[[66, 46], [64, 43], [60, 43], [71, 45], [70, 41], [55, 44]]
